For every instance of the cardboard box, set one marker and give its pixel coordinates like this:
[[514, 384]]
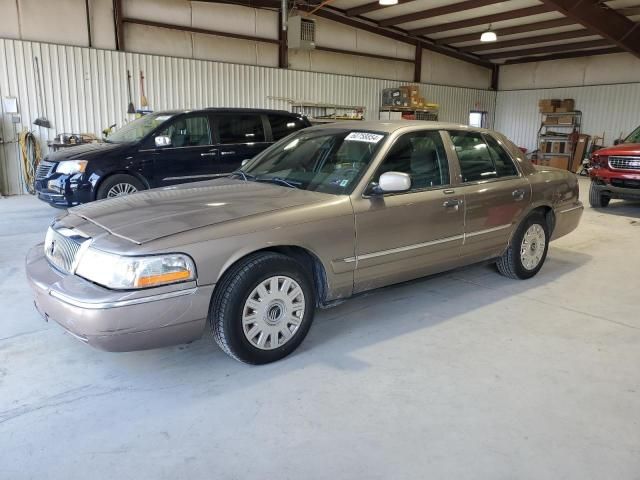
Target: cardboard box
[[561, 110], [549, 105], [569, 104], [558, 162], [410, 91], [551, 121], [565, 120], [555, 147]]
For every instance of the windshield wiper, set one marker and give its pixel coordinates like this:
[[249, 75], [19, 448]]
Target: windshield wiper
[[279, 180], [245, 176]]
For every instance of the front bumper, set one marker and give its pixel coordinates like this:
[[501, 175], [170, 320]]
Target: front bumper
[[625, 186], [63, 191], [118, 321]]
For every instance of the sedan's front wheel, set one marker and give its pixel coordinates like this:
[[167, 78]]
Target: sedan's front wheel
[[528, 249], [262, 308]]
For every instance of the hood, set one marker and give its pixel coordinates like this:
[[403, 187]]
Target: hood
[[621, 149], [86, 151], [161, 212]]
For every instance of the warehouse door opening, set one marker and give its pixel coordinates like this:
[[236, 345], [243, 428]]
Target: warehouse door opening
[[478, 119]]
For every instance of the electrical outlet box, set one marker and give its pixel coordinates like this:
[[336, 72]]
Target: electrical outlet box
[[301, 33]]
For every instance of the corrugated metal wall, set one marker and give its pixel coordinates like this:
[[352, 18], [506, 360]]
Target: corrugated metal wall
[[86, 90], [605, 108]]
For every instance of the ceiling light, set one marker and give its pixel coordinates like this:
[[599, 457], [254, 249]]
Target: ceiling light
[[388, 2], [488, 36]]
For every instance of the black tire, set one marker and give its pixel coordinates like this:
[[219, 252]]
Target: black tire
[[597, 199], [117, 179], [231, 293], [510, 263]]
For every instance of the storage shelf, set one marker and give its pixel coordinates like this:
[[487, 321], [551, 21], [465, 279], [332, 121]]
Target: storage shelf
[[557, 154], [557, 114]]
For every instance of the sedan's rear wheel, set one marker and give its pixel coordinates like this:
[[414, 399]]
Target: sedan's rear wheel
[[262, 308], [528, 249]]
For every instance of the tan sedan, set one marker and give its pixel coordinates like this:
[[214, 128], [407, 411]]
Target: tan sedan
[[324, 214]]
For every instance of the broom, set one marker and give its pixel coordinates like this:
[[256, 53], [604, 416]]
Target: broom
[[143, 97], [130, 108]]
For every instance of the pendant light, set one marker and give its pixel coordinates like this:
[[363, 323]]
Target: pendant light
[[488, 36], [386, 3]]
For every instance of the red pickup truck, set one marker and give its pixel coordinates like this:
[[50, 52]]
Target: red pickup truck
[[615, 172]]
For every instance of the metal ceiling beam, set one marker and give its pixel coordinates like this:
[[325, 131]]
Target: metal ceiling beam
[[529, 27], [549, 49], [486, 20], [601, 19], [559, 56], [370, 7], [437, 11], [396, 34], [554, 37]]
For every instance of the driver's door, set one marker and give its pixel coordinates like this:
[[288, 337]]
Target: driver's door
[[401, 236], [191, 155]]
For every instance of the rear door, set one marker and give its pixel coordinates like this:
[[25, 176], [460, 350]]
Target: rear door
[[400, 236], [240, 136], [190, 157], [495, 193]]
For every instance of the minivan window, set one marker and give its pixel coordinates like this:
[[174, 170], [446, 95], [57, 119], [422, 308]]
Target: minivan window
[[240, 129], [139, 128], [190, 131], [474, 157], [283, 125], [634, 137]]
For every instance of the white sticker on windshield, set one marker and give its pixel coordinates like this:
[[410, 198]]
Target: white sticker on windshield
[[364, 137]]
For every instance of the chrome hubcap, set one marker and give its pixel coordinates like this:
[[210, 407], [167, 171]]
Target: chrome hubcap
[[120, 189], [273, 312], [532, 247]]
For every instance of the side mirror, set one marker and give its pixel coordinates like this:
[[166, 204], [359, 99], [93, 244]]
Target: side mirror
[[617, 141], [163, 141], [394, 182]]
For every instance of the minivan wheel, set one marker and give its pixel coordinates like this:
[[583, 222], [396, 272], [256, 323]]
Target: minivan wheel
[[119, 185], [596, 198], [262, 308], [528, 249]]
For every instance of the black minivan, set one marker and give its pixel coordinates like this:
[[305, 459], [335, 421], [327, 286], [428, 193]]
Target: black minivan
[[159, 149]]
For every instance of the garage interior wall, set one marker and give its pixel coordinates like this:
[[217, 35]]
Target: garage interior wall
[[85, 90], [606, 89]]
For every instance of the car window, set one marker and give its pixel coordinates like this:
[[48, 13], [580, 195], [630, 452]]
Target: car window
[[283, 125], [422, 156], [475, 160], [188, 132], [501, 159], [240, 128], [328, 160], [634, 137]]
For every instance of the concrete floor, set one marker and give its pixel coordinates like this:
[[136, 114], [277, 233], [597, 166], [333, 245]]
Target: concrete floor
[[466, 375]]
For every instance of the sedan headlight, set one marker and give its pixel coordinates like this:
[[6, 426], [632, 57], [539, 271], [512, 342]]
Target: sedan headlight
[[124, 273], [71, 166]]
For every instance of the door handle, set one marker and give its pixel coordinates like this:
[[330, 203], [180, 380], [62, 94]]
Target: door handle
[[452, 203], [208, 154], [518, 194], [227, 153]]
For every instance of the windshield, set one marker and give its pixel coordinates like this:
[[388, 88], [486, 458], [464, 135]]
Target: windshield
[[634, 137], [328, 161], [138, 129]]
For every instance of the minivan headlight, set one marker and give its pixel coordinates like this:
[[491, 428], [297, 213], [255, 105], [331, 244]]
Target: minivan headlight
[[71, 166], [125, 273]]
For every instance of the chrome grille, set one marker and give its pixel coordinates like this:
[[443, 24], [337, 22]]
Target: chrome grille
[[625, 163], [44, 169], [61, 247]]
